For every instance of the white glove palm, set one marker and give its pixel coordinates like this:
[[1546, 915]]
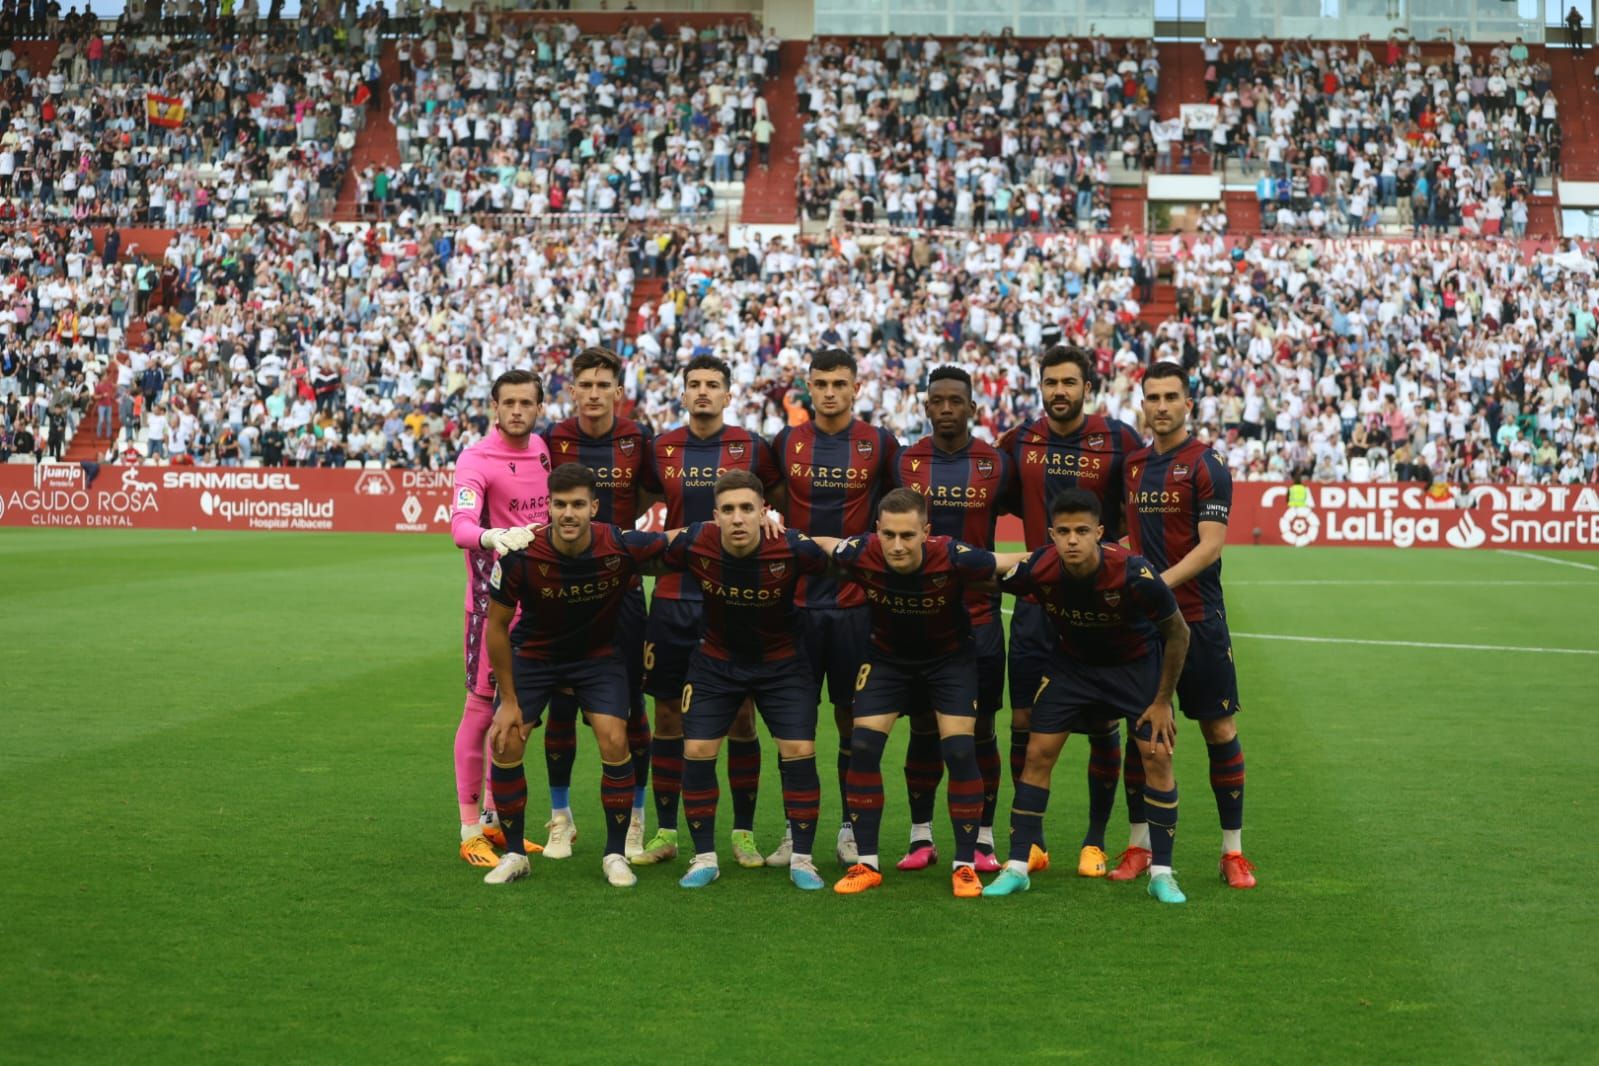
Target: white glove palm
[[505, 541]]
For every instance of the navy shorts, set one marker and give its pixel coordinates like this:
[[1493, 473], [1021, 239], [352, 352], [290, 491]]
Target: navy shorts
[[836, 639], [600, 685], [888, 686], [1208, 687], [630, 646], [1033, 648], [715, 690], [670, 636], [1075, 697]]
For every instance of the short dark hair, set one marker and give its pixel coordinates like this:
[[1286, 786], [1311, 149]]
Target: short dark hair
[[597, 358], [1075, 501], [951, 373], [904, 501], [734, 480], [569, 476], [1068, 353], [517, 377], [833, 359], [1168, 369], [709, 362]]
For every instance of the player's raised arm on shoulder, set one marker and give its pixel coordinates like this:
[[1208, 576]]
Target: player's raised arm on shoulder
[[1005, 562], [646, 550]]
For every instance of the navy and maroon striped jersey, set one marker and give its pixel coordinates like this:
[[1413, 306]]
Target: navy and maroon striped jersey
[[964, 490], [1047, 465], [569, 603], [834, 481], [1167, 497], [921, 615], [1102, 620], [620, 460], [684, 469], [750, 615]]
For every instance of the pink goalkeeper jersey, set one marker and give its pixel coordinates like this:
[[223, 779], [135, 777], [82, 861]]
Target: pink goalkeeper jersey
[[497, 485]]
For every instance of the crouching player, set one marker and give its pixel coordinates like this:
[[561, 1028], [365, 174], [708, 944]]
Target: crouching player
[[922, 653], [1120, 645], [569, 583], [750, 650]]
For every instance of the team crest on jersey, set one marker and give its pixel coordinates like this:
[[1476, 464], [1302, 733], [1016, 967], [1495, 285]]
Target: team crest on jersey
[[1096, 441], [613, 562], [985, 467], [735, 451], [864, 447], [778, 568], [465, 499], [1180, 470], [495, 576], [1112, 598], [626, 445]]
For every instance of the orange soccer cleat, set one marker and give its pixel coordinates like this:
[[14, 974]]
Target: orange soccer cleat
[[967, 886], [1091, 861], [496, 836], [1130, 864], [478, 852], [1237, 871], [1037, 859], [859, 878]]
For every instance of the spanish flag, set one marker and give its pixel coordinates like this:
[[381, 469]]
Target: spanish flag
[[164, 111]]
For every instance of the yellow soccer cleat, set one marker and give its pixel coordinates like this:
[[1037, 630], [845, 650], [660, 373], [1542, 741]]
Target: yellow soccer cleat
[[1091, 862], [477, 851], [1037, 859]]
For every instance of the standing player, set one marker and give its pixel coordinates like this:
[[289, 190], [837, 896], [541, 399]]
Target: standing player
[[750, 651], [566, 591], [1120, 642], [618, 451], [922, 654], [686, 463], [500, 488], [1065, 449], [835, 468], [963, 481], [1178, 497]]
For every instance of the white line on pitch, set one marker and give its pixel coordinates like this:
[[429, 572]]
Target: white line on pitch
[[1546, 559], [1382, 583], [1417, 644]]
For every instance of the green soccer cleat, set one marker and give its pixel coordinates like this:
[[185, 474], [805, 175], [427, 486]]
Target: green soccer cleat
[[745, 853], [699, 875], [1164, 888], [1008, 883], [661, 848]]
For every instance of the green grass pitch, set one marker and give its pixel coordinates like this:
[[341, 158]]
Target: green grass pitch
[[229, 836]]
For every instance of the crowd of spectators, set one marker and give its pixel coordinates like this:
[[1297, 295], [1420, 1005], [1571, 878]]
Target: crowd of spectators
[[987, 132], [1450, 142]]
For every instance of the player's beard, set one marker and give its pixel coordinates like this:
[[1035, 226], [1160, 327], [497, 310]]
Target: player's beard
[[1072, 412]]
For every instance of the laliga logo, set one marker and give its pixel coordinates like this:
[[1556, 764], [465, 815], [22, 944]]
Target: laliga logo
[[1466, 534], [1299, 526]]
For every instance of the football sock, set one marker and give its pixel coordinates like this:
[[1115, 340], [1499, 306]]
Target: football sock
[[985, 838], [1227, 782], [802, 798], [744, 778], [560, 747], [700, 794], [1133, 781], [1161, 807], [470, 831], [666, 762], [965, 793], [866, 788], [1138, 835], [1027, 820], [1232, 840], [638, 742], [1104, 771], [476, 717], [921, 833], [510, 799], [616, 796], [843, 780], [924, 768], [988, 766], [560, 799]]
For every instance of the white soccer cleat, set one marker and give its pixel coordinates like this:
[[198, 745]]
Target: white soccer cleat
[[562, 832], [635, 839], [848, 854], [513, 867], [784, 852], [618, 872]]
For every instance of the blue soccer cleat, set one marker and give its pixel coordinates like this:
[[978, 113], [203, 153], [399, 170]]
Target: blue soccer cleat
[[1008, 883], [1164, 888], [699, 875], [805, 877]]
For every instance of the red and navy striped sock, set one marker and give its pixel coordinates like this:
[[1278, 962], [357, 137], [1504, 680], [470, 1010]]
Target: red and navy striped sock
[[1227, 781], [666, 762], [700, 795], [924, 769], [802, 800], [965, 793], [744, 778], [1104, 772], [1027, 819], [508, 782], [843, 780], [1133, 781], [1160, 807], [638, 743], [616, 796], [865, 785], [560, 742], [988, 766]]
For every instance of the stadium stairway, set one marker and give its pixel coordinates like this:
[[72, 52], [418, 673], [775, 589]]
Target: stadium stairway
[[1182, 70], [1127, 208], [645, 290], [770, 195], [1162, 307], [1578, 95], [1243, 212], [377, 144]]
